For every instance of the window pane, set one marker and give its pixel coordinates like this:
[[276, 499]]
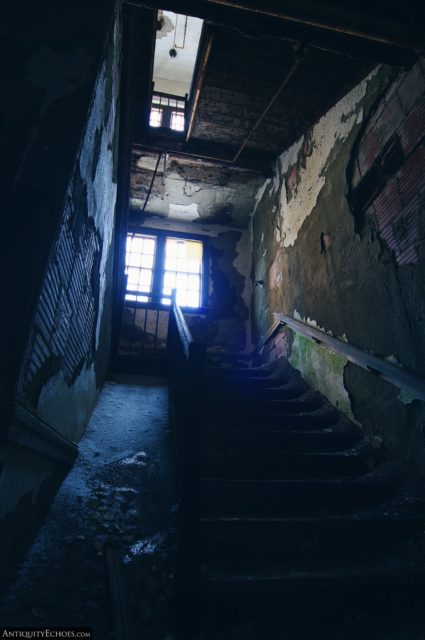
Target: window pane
[[169, 281], [183, 264], [135, 244], [145, 279], [149, 246], [155, 118], [182, 297], [139, 265], [177, 121], [193, 266], [181, 281], [193, 282], [134, 260], [171, 264], [133, 276], [193, 299], [147, 261]]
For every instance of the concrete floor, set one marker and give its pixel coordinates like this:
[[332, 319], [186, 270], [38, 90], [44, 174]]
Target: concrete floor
[[119, 494]]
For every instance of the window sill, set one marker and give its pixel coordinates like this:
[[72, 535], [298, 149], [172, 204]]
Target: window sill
[[165, 307]]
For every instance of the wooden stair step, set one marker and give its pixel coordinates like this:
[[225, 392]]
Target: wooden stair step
[[311, 440], [267, 497], [297, 541], [319, 582], [270, 406], [282, 392], [221, 420], [239, 372], [247, 383], [281, 464]]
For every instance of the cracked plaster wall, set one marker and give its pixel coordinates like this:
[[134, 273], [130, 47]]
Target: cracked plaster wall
[[58, 200], [312, 263], [69, 342]]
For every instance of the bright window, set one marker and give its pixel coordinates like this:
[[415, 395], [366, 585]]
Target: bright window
[[157, 265], [167, 112], [155, 119], [177, 121], [183, 270], [139, 265]]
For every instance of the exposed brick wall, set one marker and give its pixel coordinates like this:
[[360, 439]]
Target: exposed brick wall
[[63, 332], [396, 209], [68, 343]]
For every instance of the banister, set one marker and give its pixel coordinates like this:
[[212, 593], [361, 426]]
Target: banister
[[410, 382], [184, 331]]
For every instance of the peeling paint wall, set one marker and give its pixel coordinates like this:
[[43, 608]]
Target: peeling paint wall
[[189, 190], [60, 134], [60, 378], [312, 259]]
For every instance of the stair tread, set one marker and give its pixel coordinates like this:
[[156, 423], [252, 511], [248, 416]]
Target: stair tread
[[369, 516], [368, 572], [360, 480], [281, 452]]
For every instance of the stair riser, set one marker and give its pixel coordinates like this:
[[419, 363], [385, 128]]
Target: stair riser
[[320, 609], [279, 441], [263, 394], [253, 406], [300, 547], [280, 466], [236, 374], [291, 498], [267, 421], [244, 384]]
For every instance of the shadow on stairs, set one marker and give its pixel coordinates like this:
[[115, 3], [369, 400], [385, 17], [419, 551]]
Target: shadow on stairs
[[305, 530]]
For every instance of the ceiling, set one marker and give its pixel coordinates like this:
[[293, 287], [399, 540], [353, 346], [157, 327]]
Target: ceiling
[[266, 71], [181, 33], [191, 190]]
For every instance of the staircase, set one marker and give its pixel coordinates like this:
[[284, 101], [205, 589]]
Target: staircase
[[304, 531]]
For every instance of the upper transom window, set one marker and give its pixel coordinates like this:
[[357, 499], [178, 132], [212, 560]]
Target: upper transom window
[[167, 111]]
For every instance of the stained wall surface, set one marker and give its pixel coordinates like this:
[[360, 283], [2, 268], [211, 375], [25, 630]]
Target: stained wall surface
[[58, 200], [338, 242]]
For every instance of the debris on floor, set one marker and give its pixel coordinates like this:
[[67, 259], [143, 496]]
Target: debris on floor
[[119, 495]]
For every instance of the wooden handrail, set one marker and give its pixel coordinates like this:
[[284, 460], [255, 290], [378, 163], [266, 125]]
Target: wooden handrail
[[183, 330], [410, 382]]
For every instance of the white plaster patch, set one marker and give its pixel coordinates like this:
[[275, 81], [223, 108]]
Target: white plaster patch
[[335, 125], [391, 359], [260, 193], [242, 264], [185, 212]]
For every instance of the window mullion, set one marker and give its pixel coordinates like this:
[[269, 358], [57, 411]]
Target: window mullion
[[158, 271]]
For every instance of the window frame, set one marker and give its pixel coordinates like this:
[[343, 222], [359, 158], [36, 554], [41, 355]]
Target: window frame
[[167, 110], [161, 236]]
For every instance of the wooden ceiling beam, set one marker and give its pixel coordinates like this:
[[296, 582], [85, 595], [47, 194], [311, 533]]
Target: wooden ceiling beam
[[339, 19]]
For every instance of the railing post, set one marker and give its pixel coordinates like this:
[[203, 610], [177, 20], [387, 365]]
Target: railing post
[[187, 388]]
